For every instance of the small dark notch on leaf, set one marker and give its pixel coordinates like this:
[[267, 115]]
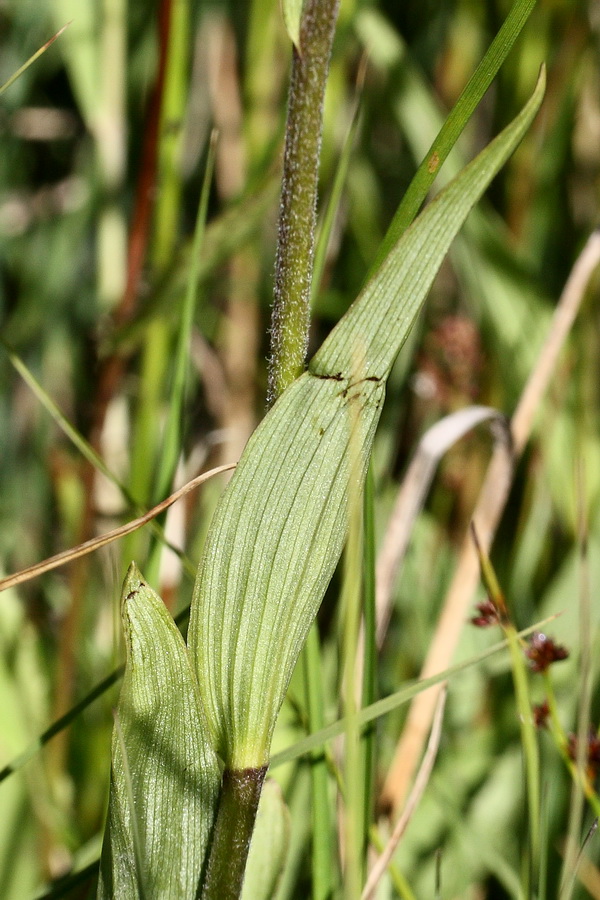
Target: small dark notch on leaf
[[351, 384], [326, 376]]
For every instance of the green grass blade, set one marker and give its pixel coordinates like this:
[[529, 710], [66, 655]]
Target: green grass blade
[[387, 704], [78, 441], [323, 833], [157, 350], [525, 715], [454, 124], [228, 232], [369, 686], [378, 318], [355, 838], [172, 435], [331, 209], [4, 87], [60, 724]]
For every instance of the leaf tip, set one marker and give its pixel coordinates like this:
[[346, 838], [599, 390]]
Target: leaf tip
[[292, 15], [134, 580]]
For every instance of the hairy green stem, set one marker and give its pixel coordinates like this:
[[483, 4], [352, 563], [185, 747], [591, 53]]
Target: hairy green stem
[[238, 803], [297, 218]]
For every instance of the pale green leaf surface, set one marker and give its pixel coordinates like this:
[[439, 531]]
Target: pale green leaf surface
[[292, 15], [280, 527], [23, 703], [269, 846], [174, 775], [383, 314]]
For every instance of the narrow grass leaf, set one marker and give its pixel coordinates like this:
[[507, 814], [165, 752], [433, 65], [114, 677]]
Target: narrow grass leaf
[[172, 433], [279, 529], [161, 761], [323, 831], [350, 603], [455, 122], [393, 701], [332, 206], [368, 658], [524, 708], [31, 60]]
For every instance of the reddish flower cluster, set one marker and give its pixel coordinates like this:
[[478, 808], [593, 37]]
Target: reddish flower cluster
[[542, 652], [540, 714], [592, 756], [488, 615]]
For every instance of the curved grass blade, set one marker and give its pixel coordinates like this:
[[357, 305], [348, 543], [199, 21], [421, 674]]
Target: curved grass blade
[[280, 526], [393, 701], [455, 122], [168, 771]]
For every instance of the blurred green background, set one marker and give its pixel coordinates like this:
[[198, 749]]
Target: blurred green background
[[104, 141]]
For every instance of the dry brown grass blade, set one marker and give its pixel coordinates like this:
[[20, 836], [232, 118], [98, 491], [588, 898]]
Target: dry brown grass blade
[[490, 505], [60, 559], [432, 446], [436, 441], [419, 786]]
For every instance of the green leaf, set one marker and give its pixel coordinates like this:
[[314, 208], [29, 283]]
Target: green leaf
[[456, 120], [280, 527], [292, 16], [165, 777], [269, 847]]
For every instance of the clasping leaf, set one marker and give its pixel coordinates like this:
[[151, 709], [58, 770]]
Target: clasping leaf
[[280, 526]]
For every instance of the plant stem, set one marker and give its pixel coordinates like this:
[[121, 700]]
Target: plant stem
[[238, 803], [297, 219]]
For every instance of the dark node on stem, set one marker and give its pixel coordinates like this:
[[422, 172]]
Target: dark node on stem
[[238, 803]]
